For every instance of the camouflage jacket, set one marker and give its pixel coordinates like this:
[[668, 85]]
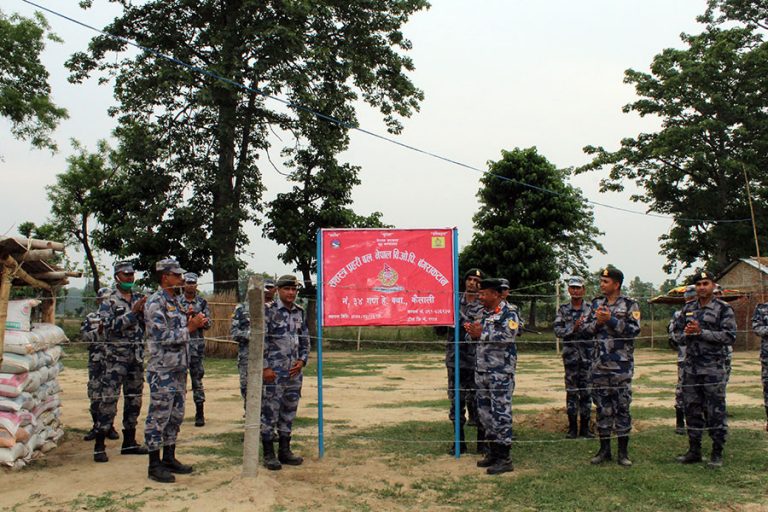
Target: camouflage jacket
[[123, 329], [718, 330], [496, 349], [614, 346], [469, 312], [286, 338], [198, 305], [167, 334], [89, 331], [577, 344], [760, 321], [676, 341], [240, 330]]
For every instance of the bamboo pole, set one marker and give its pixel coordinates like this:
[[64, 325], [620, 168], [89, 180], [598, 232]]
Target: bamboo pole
[[13, 266], [33, 243], [754, 228], [255, 371], [5, 292], [557, 308], [39, 255]]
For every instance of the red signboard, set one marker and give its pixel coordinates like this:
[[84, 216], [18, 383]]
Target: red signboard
[[387, 277]]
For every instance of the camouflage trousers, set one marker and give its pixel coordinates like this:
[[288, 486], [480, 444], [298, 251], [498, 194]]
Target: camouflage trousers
[[728, 364], [704, 396], [242, 368], [494, 405], [197, 369], [612, 394], [467, 400], [578, 401], [167, 390], [764, 371], [679, 402], [125, 375], [279, 403], [95, 373]]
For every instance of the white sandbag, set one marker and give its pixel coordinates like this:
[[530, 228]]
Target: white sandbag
[[33, 381], [45, 374], [50, 335], [20, 313], [16, 404], [52, 355], [17, 363], [12, 384], [51, 403], [7, 440], [54, 371], [21, 342], [10, 421], [9, 455], [26, 418]]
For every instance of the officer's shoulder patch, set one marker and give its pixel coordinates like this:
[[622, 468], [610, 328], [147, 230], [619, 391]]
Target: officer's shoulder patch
[[636, 315], [171, 307], [512, 324]]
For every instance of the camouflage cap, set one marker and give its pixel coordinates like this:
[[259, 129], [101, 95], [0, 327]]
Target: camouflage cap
[[690, 292], [124, 266], [576, 281], [288, 280], [612, 272], [103, 292], [190, 277], [169, 265], [702, 275], [269, 283], [504, 283], [474, 272], [491, 283]]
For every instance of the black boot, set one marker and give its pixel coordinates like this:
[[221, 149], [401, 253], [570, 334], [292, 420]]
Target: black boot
[[490, 455], [482, 444], [90, 436], [130, 446], [503, 463], [693, 455], [112, 434], [199, 415], [584, 428], [572, 427], [270, 461], [679, 421], [157, 471], [284, 453], [172, 464], [604, 454], [623, 458], [99, 449], [462, 444], [716, 459]]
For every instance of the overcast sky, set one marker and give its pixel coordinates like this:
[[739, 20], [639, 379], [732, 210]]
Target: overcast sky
[[497, 74]]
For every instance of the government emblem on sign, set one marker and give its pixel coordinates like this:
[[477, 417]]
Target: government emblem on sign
[[388, 278]]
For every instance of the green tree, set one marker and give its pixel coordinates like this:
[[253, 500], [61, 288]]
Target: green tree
[[526, 234], [25, 95], [711, 100], [208, 134], [753, 13]]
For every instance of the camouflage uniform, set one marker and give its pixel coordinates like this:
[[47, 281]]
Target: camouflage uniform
[[577, 358], [96, 354], [613, 363], [168, 345], [469, 313], [124, 360], [704, 376], [196, 345], [241, 333], [286, 341], [678, 343], [496, 363], [760, 326]]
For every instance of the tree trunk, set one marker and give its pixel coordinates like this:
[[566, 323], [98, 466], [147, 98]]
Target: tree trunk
[[532, 314], [89, 254], [311, 295]]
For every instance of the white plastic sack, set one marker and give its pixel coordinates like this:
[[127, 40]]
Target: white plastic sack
[[52, 355], [10, 422], [9, 455], [12, 384], [20, 313], [33, 381], [21, 342], [50, 335], [23, 401], [17, 363]]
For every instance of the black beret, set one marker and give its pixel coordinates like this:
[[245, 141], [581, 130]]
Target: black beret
[[701, 275], [491, 283], [474, 272], [613, 273]]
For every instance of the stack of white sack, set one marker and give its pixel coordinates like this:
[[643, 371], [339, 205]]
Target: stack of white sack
[[30, 406]]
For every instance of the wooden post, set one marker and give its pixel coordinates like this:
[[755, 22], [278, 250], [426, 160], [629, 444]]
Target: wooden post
[[255, 370], [48, 307], [5, 292], [557, 308], [359, 333]]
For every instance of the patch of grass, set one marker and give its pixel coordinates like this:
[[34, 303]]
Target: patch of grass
[[427, 404], [333, 369], [422, 367], [108, 501], [750, 391], [530, 400]]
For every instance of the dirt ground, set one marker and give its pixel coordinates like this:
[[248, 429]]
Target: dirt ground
[[68, 479]]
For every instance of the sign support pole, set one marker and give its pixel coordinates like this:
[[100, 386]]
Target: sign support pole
[[457, 326], [320, 437]]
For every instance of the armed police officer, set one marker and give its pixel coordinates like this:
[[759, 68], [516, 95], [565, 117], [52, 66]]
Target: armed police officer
[[122, 317], [614, 321], [194, 304], [168, 334], [240, 331], [92, 332], [577, 358], [286, 352], [677, 342], [760, 326], [470, 310], [708, 326], [495, 366]]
